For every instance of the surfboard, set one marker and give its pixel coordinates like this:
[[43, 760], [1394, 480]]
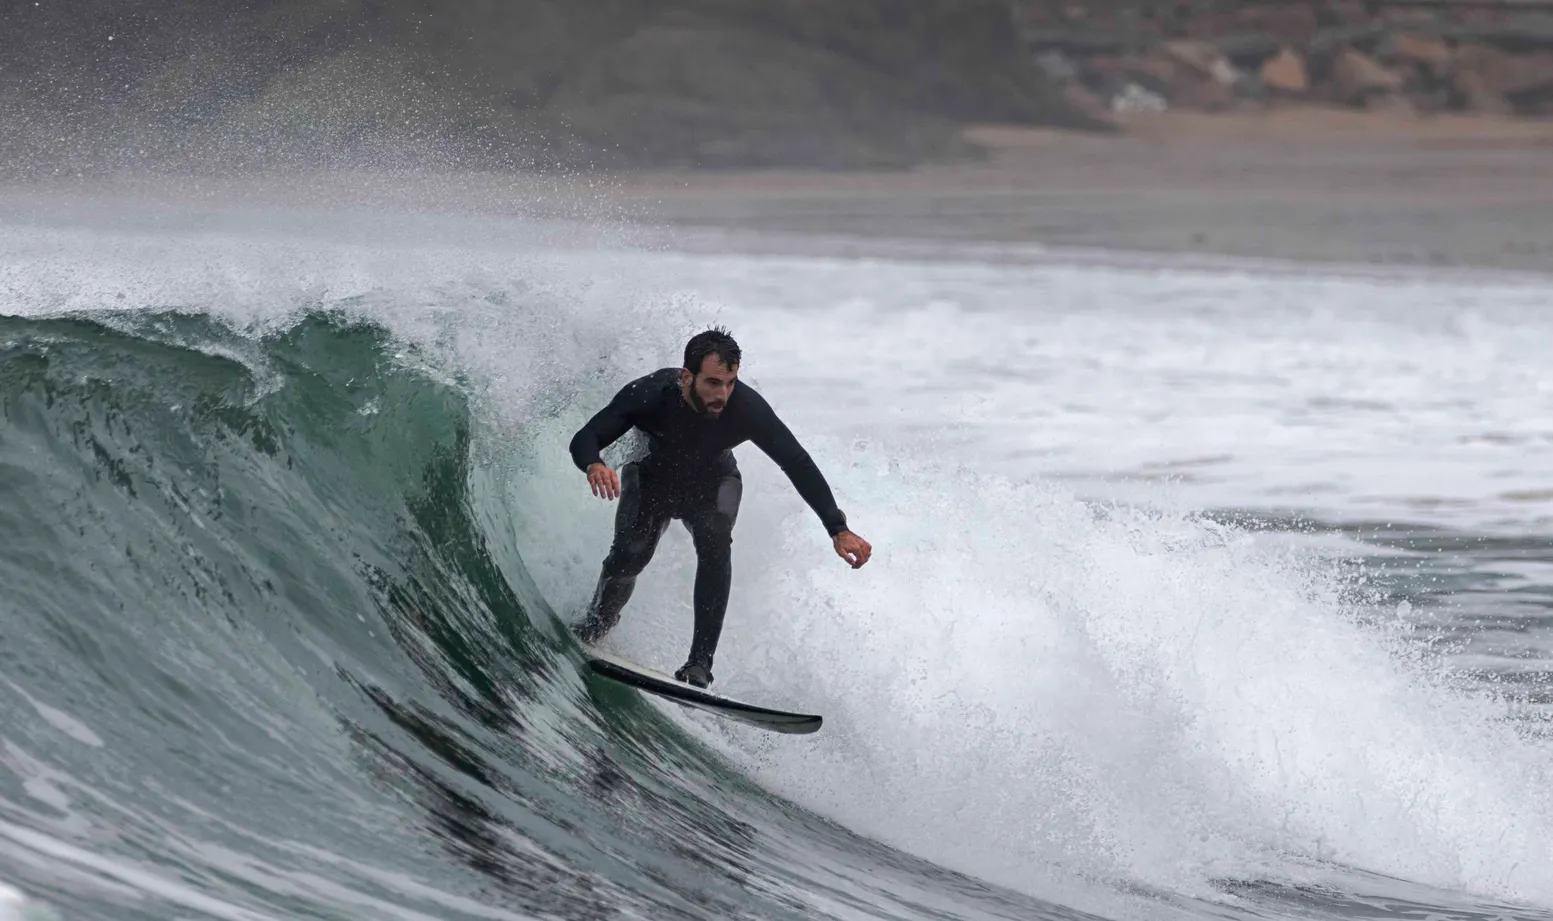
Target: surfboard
[[645, 679]]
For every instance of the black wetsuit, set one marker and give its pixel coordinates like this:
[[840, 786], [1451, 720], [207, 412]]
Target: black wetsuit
[[689, 473]]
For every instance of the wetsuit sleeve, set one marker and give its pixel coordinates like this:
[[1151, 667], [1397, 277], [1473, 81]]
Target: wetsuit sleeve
[[772, 436], [609, 423]]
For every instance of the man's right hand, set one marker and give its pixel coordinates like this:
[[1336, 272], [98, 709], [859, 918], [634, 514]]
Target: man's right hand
[[605, 484]]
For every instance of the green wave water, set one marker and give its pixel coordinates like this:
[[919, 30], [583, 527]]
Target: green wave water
[[308, 684]]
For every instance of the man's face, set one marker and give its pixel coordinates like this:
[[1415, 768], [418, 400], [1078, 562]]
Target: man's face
[[708, 391]]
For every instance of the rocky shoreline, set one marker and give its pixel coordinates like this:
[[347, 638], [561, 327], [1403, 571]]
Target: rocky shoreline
[[1420, 57]]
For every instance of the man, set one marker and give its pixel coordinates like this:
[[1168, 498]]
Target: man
[[693, 416]]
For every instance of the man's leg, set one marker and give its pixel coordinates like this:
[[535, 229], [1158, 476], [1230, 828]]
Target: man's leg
[[640, 520], [710, 522]]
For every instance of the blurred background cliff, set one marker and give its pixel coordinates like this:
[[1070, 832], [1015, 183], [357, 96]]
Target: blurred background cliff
[[511, 83], [711, 84]]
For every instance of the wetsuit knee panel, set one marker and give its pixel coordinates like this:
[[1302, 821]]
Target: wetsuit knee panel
[[730, 490]]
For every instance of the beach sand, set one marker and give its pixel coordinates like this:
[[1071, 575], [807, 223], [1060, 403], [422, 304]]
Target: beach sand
[[1305, 184]]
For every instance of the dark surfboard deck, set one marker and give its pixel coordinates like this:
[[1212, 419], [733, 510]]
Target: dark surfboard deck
[[652, 682]]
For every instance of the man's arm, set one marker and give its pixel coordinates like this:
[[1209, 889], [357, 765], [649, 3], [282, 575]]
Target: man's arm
[[609, 423], [772, 436]]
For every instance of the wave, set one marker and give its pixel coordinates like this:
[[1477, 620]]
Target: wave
[[253, 566], [286, 636], [269, 639]]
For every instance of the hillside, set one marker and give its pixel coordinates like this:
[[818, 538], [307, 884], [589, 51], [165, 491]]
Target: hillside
[[178, 85]]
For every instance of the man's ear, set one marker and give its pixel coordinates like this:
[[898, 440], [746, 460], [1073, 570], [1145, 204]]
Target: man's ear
[[685, 377]]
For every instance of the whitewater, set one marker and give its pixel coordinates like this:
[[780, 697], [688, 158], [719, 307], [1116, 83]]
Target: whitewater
[[1198, 591]]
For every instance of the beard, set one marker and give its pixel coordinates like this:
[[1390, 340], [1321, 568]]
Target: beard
[[701, 407]]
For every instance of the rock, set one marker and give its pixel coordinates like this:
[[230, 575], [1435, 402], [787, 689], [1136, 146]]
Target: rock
[[1248, 49], [1531, 92], [1085, 100], [1422, 50], [1187, 74], [1334, 40], [1203, 95], [1157, 71], [1134, 98], [1356, 77], [1480, 73], [1286, 73], [1477, 97], [1490, 79], [1203, 58], [1485, 66], [1525, 74], [1104, 76]]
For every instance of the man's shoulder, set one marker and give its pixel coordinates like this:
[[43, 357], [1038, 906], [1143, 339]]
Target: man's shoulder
[[748, 400], [651, 384]]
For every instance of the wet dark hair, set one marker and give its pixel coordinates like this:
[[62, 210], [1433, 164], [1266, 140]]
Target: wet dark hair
[[715, 341]]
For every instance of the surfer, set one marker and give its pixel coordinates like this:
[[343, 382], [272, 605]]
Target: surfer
[[693, 417]]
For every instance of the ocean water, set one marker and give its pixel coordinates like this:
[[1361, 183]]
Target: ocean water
[[1198, 592]]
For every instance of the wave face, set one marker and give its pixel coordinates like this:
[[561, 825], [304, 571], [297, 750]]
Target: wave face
[[291, 544], [264, 658]]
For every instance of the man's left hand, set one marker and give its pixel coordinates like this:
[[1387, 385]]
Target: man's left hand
[[852, 548]]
